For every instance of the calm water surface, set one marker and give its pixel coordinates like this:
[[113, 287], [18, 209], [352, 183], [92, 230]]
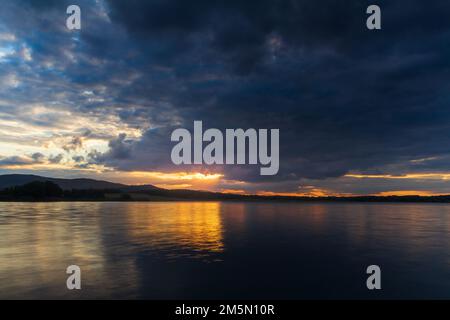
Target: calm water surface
[[219, 250]]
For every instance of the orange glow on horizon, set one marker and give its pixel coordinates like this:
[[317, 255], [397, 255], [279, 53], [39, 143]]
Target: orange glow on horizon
[[408, 193], [233, 191], [169, 180], [436, 175], [313, 193], [176, 175], [217, 182]]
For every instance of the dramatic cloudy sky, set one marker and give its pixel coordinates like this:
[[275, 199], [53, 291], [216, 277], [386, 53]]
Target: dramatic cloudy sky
[[359, 111]]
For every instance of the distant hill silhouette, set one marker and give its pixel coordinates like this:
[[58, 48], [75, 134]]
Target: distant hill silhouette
[[12, 180], [18, 187]]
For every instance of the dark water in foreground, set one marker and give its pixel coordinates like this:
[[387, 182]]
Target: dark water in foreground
[[224, 250]]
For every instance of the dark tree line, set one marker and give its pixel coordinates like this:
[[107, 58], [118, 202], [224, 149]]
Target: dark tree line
[[35, 189]]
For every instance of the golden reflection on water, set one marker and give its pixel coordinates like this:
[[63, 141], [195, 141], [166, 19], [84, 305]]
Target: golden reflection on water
[[123, 246], [191, 226], [38, 241]]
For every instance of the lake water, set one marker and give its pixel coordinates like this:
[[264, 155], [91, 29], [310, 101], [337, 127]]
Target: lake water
[[214, 250]]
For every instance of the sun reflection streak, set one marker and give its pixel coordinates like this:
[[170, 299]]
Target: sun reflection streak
[[185, 229]]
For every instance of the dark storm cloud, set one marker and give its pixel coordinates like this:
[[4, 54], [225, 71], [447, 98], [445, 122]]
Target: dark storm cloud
[[242, 29], [43, 4], [119, 149], [345, 98]]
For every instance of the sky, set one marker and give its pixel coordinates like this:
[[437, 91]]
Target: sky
[[359, 111]]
